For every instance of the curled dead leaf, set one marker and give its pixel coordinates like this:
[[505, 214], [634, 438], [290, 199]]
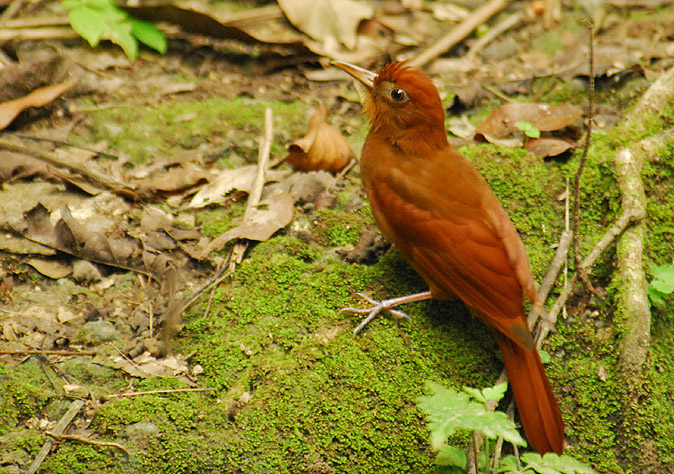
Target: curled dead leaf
[[547, 146], [39, 97], [274, 213], [503, 121], [322, 148]]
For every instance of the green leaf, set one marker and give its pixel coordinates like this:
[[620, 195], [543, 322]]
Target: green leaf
[[87, 23], [566, 464], [663, 286], [496, 392], [550, 463], [489, 393], [121, 34], [545, 357], [101, 5], [449, 410], [657, 298], [528, 129], [451, 456], [71, 4], [663, 272], [149, 35]]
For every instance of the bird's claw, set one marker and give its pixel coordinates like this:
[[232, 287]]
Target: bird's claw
[[371, 312]]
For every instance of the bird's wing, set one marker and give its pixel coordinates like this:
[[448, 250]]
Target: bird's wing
[[456, 238]]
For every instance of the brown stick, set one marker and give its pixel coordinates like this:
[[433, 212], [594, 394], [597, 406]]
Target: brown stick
[[82, 439], [236, 255], [37, 34], [91, 175], [466, 27], [47, 352], [154, 392], [60, 428], [510, 22], [583, 272]]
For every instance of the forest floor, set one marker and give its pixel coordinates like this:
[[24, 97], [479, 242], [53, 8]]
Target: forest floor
[[261, 373]]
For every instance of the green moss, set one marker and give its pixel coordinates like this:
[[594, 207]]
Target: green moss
[[338, 228], [25, 391], [183, 124], [549, 43], [218, 220]]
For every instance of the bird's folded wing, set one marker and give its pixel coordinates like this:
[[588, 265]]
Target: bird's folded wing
[[460, 254]]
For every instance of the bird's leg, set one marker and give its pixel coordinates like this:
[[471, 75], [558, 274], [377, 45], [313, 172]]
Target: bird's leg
[[385, 305]]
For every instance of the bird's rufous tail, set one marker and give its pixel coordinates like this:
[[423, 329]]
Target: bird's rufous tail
[[536, 404]]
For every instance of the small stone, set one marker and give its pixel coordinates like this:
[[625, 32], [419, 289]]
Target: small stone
[[86, 272], [96, 332]]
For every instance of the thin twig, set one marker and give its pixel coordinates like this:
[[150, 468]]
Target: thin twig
[[68, 144], [497, 93], [154, 392], [258, 183], [46, 352], [37, 34], [91, 175], [82, 439], [550, 277], [237, 252], [461, 31], [60, 428], [616, 229], [583, 272], [510, 22], [33, 22]]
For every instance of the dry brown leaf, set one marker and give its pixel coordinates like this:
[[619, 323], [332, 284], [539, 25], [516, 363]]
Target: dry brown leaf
[[303, 187], [228, 180], [502, 122], [546, 147], [51, 268], [179, 179], [329, 21], [322, 148], [70, 236], [272, 214], [38, 98]]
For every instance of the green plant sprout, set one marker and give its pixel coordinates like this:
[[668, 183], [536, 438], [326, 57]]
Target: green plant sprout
[[448, 411], [95, 20], [662, 284], [529, 130]]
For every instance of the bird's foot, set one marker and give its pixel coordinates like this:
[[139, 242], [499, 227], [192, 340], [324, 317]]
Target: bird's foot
[[379, 306]]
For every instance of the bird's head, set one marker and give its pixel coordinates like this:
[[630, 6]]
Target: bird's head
[[402, 103]]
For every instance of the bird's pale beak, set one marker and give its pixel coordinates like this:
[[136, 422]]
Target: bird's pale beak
[[363, 76]]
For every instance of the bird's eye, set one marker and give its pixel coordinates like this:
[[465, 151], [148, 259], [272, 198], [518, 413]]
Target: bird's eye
[[398, 95]]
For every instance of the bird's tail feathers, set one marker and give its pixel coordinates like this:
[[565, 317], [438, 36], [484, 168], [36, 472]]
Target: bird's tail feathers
[[536, 404]]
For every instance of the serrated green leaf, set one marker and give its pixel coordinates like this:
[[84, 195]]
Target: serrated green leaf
[[566, 464], [87, 23], [121, 34], [149, 35], [496, 392], [451, 456], [449, 410], [475, 393], [509, 465]]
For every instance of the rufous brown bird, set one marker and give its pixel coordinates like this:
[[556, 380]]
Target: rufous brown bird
[[434, 205]]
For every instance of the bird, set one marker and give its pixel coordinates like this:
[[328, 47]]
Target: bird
[[434, 205]]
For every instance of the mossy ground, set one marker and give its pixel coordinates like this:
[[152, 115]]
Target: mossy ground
[[293, 386]]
